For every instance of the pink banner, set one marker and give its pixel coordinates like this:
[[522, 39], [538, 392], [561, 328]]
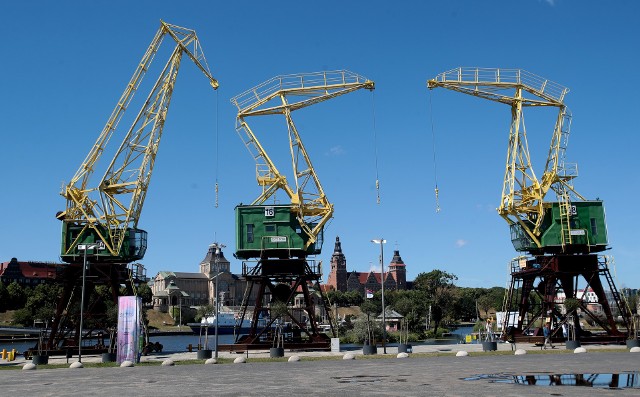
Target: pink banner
[[129, 328]]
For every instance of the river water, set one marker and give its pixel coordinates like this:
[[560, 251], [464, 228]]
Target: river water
[[180, 343]]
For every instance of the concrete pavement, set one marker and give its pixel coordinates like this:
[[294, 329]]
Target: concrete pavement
[[413, 376]]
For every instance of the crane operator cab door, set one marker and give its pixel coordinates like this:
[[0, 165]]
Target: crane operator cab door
[[271, 231]]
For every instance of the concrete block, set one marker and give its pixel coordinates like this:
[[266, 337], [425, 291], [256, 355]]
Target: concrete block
[[462, 353]]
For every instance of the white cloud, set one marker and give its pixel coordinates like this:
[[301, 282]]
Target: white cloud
[[336, 151], [461, 243]]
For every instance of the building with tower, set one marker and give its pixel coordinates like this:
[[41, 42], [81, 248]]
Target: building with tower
[[197, 289], [338, 273], [340, 279]]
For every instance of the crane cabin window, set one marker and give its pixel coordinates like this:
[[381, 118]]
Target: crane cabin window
[[594, 227], [249, 233], [270, 228]]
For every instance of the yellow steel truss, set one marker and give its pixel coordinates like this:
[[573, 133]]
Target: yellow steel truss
[[116, 202], [523, 194], [283, 95]]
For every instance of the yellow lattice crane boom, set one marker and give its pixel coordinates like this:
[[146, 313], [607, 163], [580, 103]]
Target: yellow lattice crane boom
[[532, 218], [283, 95], [107, 213]]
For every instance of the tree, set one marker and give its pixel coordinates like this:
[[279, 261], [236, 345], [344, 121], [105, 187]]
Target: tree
[[465, 307], [497, 295], [40, 304], [278, 312], [4, 297], [369, 309], [485, 303], [353, 298], [145, 293], [204, 311], [16, 295], [407, 303], [438, 287]]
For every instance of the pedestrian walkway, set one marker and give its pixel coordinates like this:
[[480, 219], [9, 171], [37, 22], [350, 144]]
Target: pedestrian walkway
[[391, 352], [414, 376]]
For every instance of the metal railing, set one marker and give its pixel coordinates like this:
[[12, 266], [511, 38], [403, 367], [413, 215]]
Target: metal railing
[[490, 76], [315, 81]]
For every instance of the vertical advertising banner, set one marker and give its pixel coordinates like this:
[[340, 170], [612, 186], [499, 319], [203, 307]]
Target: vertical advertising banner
[[128, 328]]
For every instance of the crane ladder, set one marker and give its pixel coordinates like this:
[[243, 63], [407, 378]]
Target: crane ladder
[[625, 312]]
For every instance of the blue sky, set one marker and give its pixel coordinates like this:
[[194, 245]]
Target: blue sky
[[65, 63]]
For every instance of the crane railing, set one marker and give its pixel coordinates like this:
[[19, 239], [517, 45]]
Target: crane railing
[[500, 77], [305, 83]]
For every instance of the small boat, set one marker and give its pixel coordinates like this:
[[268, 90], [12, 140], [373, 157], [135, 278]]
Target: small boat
[[228, 323]]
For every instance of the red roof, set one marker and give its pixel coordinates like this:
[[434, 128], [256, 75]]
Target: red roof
[[363, 277], [32, 269]]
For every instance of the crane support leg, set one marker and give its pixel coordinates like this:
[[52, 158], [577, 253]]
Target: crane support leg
[[538, 300], [283, 281]]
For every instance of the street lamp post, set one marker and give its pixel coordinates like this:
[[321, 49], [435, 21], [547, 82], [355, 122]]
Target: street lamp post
[[218, 248], [85, 248], [381, 241]]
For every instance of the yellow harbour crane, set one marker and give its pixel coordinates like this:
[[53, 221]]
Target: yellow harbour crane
[[281, 237], [308, 202], [562, 237], [103, 216], [537, 224], [106, 213]]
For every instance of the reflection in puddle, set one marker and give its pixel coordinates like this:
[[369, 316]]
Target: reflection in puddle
[[612, 381]]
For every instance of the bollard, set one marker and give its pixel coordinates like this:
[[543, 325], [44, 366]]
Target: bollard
[[12, 355], [4, 353], [190, 348]]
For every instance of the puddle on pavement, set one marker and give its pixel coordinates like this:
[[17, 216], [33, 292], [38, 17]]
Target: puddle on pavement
[[369, 378], [623, 380]]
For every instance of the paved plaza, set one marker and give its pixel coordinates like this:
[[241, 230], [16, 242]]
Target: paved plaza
[[390, 376]]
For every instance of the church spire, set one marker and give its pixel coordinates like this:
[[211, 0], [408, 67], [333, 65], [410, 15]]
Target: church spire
[[396, 258], [337, 250], [338, 275]]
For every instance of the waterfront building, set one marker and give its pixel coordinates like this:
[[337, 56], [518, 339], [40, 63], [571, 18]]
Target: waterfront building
[[190, 290], [198, 289], [395, 278], [28, 274]]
